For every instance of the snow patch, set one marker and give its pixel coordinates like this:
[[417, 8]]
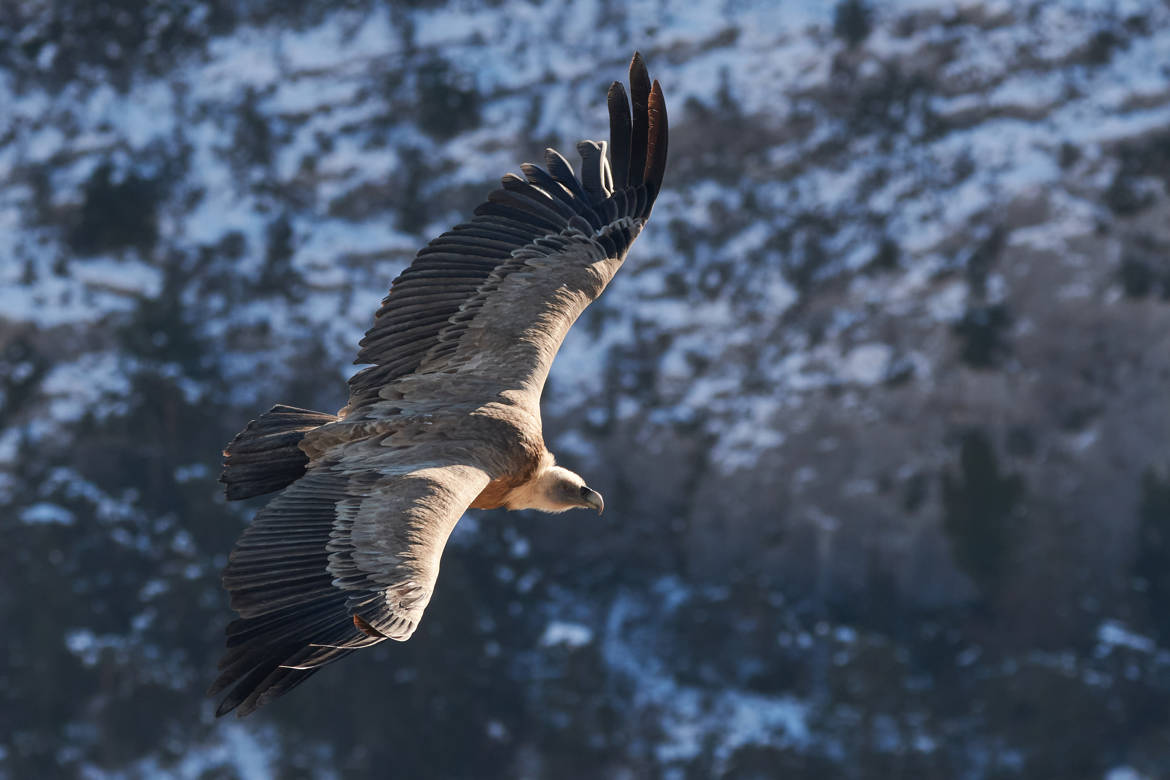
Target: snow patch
[[867, 364], [693, 719], [1124, 773], [122, 277], [1112, 635], [566, 634], [44, 513]]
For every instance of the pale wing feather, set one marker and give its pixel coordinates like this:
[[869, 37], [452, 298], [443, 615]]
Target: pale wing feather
[[386, 545], [522, 323], [357, 539]]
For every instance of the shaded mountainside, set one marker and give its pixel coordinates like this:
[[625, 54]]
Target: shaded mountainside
[[878, 404]]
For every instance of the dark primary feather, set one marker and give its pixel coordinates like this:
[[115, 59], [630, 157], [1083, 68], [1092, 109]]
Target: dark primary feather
[[425, 313], [619, 134], [640, 132]]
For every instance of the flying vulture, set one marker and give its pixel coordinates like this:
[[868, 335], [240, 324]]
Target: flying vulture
[[445, 417]]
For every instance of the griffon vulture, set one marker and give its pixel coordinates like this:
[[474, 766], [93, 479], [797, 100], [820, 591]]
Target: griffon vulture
[[445, 417]]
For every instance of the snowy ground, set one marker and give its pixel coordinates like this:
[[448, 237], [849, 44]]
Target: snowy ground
[[749, 301]]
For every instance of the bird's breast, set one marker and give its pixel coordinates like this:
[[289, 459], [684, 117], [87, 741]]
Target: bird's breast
[[495, 494], [525, 456]]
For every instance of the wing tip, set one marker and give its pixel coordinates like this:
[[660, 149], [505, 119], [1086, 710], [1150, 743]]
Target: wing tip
[[619, 134], [658, 137], [638, 131], [619, 104], [638, 66], [639, 76]]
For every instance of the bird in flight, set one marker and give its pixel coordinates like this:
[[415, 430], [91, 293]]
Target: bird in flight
[[445, 417]]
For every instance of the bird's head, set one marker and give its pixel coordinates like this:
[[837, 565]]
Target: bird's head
[[556, 489]]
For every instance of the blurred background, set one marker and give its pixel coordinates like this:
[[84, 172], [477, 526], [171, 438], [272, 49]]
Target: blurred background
[[879, 404]]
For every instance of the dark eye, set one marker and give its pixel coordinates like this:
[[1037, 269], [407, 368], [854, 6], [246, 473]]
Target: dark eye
[[585, 491]]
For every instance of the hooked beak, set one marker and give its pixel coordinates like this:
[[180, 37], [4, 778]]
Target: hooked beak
[[593, 499]]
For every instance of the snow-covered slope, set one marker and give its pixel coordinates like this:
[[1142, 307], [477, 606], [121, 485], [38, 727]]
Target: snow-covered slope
[[878, 403]]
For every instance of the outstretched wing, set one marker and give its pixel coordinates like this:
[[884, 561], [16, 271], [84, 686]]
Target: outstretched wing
[[495, 296], [344, 558]]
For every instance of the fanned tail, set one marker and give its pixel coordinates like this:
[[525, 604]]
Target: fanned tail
[[264, 457]]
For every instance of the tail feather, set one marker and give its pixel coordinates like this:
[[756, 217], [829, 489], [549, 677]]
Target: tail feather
[[264, 457]]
